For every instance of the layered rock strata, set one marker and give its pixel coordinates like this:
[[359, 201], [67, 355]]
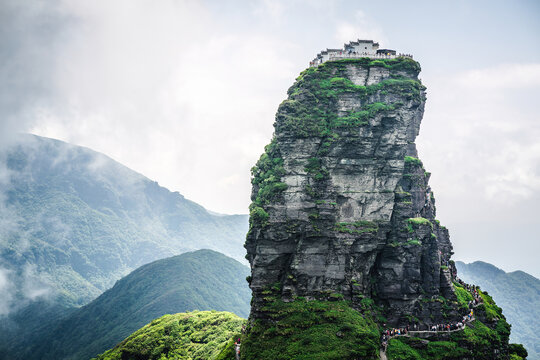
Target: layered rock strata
[[341, 203]]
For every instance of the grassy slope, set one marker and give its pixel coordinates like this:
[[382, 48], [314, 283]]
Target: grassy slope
[[475, 341], [194, 335], [518, 293], [200, 280], [314, 329]]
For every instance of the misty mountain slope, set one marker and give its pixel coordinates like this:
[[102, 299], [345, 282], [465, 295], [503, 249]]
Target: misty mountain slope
[[200, 280], [518, 293], [73, 221]]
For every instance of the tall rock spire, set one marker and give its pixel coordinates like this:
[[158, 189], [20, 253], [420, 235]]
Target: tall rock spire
[[345, 203], [342, 211]]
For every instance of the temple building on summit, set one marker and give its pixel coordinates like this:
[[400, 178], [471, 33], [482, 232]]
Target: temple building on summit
[[368, 47], [356, 49]]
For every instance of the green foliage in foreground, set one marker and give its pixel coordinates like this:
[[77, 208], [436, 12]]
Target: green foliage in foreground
[[199, 280], [193, 335], [413, 349], [320, 330], [517, 352]]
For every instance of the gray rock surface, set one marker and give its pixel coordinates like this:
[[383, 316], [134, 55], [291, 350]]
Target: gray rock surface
[[357, 215]]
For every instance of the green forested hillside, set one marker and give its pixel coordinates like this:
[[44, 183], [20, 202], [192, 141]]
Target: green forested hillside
[[200, 280], [518, 293], [73, 221], [198, 335]]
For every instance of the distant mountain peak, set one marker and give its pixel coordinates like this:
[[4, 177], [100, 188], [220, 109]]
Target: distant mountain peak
[[76, 221]]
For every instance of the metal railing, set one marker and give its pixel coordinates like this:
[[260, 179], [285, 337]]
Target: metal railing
[[346, 55]]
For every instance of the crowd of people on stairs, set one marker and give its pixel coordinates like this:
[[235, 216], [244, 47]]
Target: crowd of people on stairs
[[408, 330], [415, 328]]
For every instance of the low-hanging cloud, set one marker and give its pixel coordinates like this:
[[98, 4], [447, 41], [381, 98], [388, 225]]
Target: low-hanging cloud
[[186, 92], [486, 175], [19, 287], [30, 35], [487, 114], [7, 289], [361, 27]]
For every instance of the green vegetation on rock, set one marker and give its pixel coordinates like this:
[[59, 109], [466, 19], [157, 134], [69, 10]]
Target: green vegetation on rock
[[315, 169], [478, 335], [258, 216], [479, 339], [314, 329], [266, 176], [311, 108], [476, 341], [463, 296], [357, 227], [197, 335], [405, 348], [517, 352], [410, 160], [419, 221]]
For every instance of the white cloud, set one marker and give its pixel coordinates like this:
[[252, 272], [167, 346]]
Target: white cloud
[[34, 284], [272, 8], [7, 291], [167, 90], [186, 92], [479, 138], [503, 76], [362, 27], [490, 121], [18, 289]]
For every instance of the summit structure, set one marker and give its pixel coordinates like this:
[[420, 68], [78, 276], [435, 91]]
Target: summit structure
[[344, 241], [355, 50]]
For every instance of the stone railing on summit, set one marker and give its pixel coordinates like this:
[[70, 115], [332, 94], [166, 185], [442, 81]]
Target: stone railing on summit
[[346, 55]]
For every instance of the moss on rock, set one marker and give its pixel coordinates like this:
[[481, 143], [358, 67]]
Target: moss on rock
[[314, 329]]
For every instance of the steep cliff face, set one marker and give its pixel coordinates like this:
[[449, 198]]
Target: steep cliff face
[[342, 212], [341, 204]]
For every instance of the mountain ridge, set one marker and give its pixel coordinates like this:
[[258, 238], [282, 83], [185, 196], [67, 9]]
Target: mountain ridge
[[63, 197], [73, 221], [199, 280]]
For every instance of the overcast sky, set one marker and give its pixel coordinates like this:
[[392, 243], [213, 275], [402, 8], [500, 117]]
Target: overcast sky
[[185, 92]]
